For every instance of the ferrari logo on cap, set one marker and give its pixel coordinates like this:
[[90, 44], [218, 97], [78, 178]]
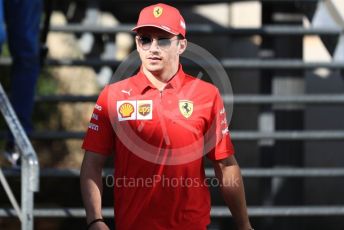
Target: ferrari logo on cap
[[157, 11], [186, 108]]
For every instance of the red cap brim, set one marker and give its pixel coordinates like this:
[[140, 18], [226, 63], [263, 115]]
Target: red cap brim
[[156, 26]]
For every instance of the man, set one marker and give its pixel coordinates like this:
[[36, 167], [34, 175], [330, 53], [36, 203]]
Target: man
[[22, 18], [175, 116]]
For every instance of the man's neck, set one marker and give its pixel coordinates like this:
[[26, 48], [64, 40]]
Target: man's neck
[[160, 79]]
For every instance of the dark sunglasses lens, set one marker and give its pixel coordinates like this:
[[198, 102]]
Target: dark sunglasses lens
[[145, 42], [164, 42]]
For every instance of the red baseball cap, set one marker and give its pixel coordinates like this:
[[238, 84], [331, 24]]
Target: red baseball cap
[[162, 16]]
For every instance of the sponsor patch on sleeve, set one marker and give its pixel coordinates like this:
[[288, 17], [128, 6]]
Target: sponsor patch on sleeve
[[93, 127], [95, 116]]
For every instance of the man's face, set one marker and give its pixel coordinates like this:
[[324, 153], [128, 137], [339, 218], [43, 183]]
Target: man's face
[[159, 50]]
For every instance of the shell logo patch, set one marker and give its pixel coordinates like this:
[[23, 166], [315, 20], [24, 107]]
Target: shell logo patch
[[186, 108], [126, 110], [157, 11]]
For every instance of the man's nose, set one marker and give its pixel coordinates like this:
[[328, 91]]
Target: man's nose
[[155, 45]]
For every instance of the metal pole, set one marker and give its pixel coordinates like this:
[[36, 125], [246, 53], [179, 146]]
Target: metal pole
[[29, 167], [27, 197]]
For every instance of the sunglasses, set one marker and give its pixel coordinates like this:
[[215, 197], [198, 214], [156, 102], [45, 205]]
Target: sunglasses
[[145, 42]]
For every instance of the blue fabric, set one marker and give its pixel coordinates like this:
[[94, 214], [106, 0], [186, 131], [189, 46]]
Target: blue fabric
[[22, 19], [2, 25]]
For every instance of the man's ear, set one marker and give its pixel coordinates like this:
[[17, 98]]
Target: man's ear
[[182, 45], [137, 44]]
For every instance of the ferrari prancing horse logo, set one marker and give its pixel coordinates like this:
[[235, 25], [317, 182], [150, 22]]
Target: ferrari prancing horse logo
[[157, 11], [186, 108]]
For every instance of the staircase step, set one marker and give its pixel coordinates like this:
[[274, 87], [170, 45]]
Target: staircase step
[[216, 212], [246, 172]]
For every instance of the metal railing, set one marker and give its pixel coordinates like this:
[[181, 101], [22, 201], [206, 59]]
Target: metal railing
[[227, 63], [253, 99], [204, 29], [29, 166], [310, 135], [216, 212], [246, 172]]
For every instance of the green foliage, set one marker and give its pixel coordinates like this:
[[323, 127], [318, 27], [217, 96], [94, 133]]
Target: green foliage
[[46, 84], [5, 50], [45, 111]]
